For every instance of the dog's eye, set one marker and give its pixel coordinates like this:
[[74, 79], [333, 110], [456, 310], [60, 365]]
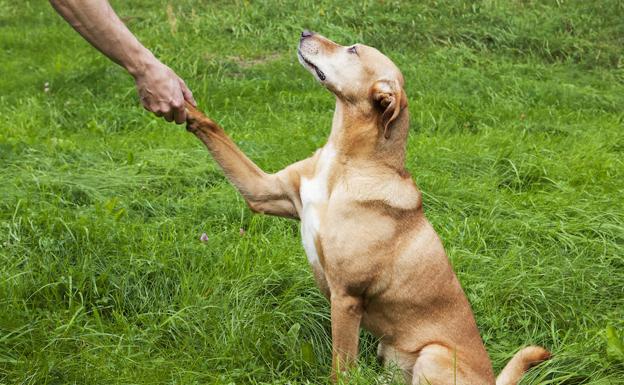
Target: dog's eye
[[352, 50]]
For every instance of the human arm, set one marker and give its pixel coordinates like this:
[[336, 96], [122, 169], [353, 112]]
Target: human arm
[[160, 89]]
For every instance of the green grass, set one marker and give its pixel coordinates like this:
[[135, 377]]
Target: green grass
[[517, 142]]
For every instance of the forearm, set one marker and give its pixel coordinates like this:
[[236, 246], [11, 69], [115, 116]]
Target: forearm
[[97, 22]]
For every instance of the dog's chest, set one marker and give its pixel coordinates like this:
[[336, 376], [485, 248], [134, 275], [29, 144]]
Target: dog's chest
[[314, 197]]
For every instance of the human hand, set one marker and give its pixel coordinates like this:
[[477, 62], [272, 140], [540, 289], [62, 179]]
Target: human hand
[[163, 92]]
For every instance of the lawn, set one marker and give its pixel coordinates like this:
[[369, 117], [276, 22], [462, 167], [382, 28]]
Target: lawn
[[517, 142]]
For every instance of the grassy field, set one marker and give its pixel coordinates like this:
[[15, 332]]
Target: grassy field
[[517, 143]]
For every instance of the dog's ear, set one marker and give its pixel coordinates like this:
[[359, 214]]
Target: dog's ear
[[388, 96]]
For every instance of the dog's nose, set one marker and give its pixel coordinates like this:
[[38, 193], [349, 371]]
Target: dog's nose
[[306, 33]]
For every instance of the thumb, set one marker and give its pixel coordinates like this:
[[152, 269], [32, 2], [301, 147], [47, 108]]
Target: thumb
[[188, 95]]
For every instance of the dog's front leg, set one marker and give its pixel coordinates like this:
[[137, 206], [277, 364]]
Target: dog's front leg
[[346, 315], [274, 194]]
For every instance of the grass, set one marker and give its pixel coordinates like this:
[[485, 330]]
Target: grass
[[517, 143]]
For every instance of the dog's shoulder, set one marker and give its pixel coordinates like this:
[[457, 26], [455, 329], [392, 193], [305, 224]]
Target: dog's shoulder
[[393, 189]]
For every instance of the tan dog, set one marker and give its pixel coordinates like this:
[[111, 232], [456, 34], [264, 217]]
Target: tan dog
[[373, 252]]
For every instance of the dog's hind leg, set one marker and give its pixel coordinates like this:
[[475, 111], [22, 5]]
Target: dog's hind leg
[[396, 361], [438, 365]]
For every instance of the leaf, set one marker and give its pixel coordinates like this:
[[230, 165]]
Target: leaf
[[307, 353], [120, 213], [615, 344], [293, 332], [110, 204]]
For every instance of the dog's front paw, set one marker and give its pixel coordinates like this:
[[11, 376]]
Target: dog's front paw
[[194, 117], [196, 120], [192, 124]]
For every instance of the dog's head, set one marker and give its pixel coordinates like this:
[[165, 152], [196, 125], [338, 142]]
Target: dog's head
[[356, 74]]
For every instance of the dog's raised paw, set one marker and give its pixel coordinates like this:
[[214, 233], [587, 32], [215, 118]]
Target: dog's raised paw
[[194, 118], [192, 124], [196, 121]]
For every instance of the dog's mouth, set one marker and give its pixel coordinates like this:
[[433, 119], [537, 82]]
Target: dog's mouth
[[319, 73]]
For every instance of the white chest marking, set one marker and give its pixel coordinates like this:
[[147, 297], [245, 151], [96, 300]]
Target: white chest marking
[[314, 195]]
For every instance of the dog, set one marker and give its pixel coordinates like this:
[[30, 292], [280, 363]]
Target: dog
[[373, 253]]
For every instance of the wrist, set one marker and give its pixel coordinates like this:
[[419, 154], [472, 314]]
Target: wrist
[[141, 64]]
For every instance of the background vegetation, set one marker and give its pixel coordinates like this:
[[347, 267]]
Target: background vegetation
[[517, 143]]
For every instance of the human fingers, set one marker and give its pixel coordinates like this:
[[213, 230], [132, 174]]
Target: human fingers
[[165, 111], [179, 112]]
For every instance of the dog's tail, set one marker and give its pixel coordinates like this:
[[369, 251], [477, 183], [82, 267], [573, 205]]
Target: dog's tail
[[520, 363]]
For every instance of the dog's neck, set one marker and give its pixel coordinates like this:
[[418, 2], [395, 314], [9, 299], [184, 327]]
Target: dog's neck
[[357, 135]]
